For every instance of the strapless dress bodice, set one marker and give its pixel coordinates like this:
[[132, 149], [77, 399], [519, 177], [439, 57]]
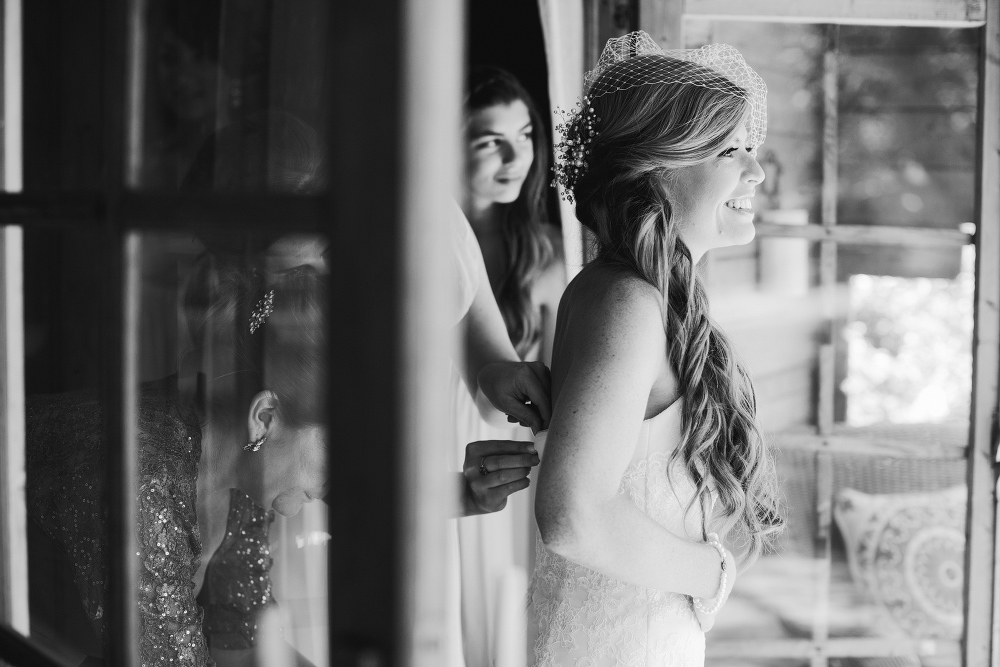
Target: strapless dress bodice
[[586, 618]]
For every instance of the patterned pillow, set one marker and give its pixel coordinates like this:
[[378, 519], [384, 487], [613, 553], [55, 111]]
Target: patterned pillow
[[907, 551]]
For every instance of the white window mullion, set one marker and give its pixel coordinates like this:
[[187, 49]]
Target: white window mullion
[[13, 515], [980, 597]]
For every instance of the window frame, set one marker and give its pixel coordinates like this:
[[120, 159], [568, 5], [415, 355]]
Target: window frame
[[393, 169]]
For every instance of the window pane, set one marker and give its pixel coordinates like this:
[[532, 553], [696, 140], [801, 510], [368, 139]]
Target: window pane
[[899, 548], [907, 125], [230, 97], [860, 354], [907, 108], [909, 349], [215, 551], [65, 456], [764, 296], [233, 443]]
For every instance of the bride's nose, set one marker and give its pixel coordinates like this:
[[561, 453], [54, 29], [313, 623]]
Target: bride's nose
[[753, 173]]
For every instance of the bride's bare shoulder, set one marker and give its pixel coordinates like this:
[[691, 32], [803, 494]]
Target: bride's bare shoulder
[[611, 300], [600, 286]]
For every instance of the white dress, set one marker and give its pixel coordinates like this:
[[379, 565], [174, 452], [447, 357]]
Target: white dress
[[488, 572], [587, 619], [493, 568], [466, 260]]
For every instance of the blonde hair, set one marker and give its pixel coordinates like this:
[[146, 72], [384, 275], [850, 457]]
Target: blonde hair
[[645, 134]]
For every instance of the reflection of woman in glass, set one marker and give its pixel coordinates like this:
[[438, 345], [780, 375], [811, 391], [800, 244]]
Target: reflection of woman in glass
[[653, 442], [188, 82], [217, 452], [506, 181]]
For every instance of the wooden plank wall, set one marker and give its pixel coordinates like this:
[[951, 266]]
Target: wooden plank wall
[[952, 13]]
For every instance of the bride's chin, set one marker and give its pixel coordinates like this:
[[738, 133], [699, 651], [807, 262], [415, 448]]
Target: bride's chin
[[740, 233]]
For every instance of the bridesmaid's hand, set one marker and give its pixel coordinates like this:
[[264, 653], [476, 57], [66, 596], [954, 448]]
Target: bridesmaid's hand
[[493, 470], [708, 620], [520, 389]]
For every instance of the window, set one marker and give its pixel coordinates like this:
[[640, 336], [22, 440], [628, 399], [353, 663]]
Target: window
[[135, 114]]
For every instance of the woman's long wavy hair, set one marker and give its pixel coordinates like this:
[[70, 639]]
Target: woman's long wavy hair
[[646, 133], [526, 246]]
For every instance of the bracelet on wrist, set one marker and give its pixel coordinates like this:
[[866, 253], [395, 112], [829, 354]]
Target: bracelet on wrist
[[713, 540]]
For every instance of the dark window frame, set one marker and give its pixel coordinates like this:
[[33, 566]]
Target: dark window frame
[[367, 623]]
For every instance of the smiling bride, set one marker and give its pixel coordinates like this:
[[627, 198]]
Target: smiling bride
[[653, 469]]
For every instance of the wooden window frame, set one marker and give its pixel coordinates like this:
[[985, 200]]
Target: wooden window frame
[[391, 173]]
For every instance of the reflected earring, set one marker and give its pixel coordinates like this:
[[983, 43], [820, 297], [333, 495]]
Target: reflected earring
[[255, 445]]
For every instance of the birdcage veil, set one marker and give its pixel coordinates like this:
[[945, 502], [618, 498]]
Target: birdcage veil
[[636, 60]]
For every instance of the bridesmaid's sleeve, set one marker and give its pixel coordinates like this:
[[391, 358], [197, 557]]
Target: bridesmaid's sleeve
[[467, 258]]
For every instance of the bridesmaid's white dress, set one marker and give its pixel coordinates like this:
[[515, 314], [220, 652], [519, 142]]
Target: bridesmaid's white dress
[[487, 555], [493, 555], [585, 618]]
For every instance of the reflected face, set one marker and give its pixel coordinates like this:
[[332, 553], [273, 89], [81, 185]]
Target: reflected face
[[187, 82], [295, 250], [499, 153], [712, 200], [294, 467]]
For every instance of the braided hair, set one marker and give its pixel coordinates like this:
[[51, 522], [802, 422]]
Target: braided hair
[[648, 132]]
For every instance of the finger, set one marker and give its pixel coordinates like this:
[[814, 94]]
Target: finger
[[481, 448], [506, 476], [537, 390], [483, 484], [514, 420], [510, 461], [544, 376], [490, 493], [523, 389], [499, 494], [523, 413]]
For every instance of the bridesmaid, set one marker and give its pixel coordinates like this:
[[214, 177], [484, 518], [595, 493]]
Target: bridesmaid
[[506, 180]]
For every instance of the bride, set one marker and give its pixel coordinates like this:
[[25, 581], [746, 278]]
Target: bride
[[653, 467]]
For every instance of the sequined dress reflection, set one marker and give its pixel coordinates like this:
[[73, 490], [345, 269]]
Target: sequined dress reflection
[[65, 469]]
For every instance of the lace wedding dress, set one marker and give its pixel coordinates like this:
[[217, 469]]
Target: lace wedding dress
[[586, 618]]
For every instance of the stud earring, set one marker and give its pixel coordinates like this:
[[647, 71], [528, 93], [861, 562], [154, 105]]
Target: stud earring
[[255, 445]]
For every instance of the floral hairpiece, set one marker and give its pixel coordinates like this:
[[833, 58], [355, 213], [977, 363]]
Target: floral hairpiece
[[261, 312], [578, 129], [625, 63]]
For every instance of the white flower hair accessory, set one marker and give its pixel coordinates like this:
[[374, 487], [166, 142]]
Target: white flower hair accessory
[[261, 312], [623, 65]]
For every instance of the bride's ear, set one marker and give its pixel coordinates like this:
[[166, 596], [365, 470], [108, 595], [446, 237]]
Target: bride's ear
[[263, 408]]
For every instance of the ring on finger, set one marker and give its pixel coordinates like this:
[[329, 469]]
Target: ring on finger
[[482, 468]]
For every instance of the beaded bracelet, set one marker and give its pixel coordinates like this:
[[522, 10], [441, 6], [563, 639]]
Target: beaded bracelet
[[713, 540]]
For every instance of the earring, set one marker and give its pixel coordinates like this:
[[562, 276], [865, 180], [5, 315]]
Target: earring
[[255, 445]]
